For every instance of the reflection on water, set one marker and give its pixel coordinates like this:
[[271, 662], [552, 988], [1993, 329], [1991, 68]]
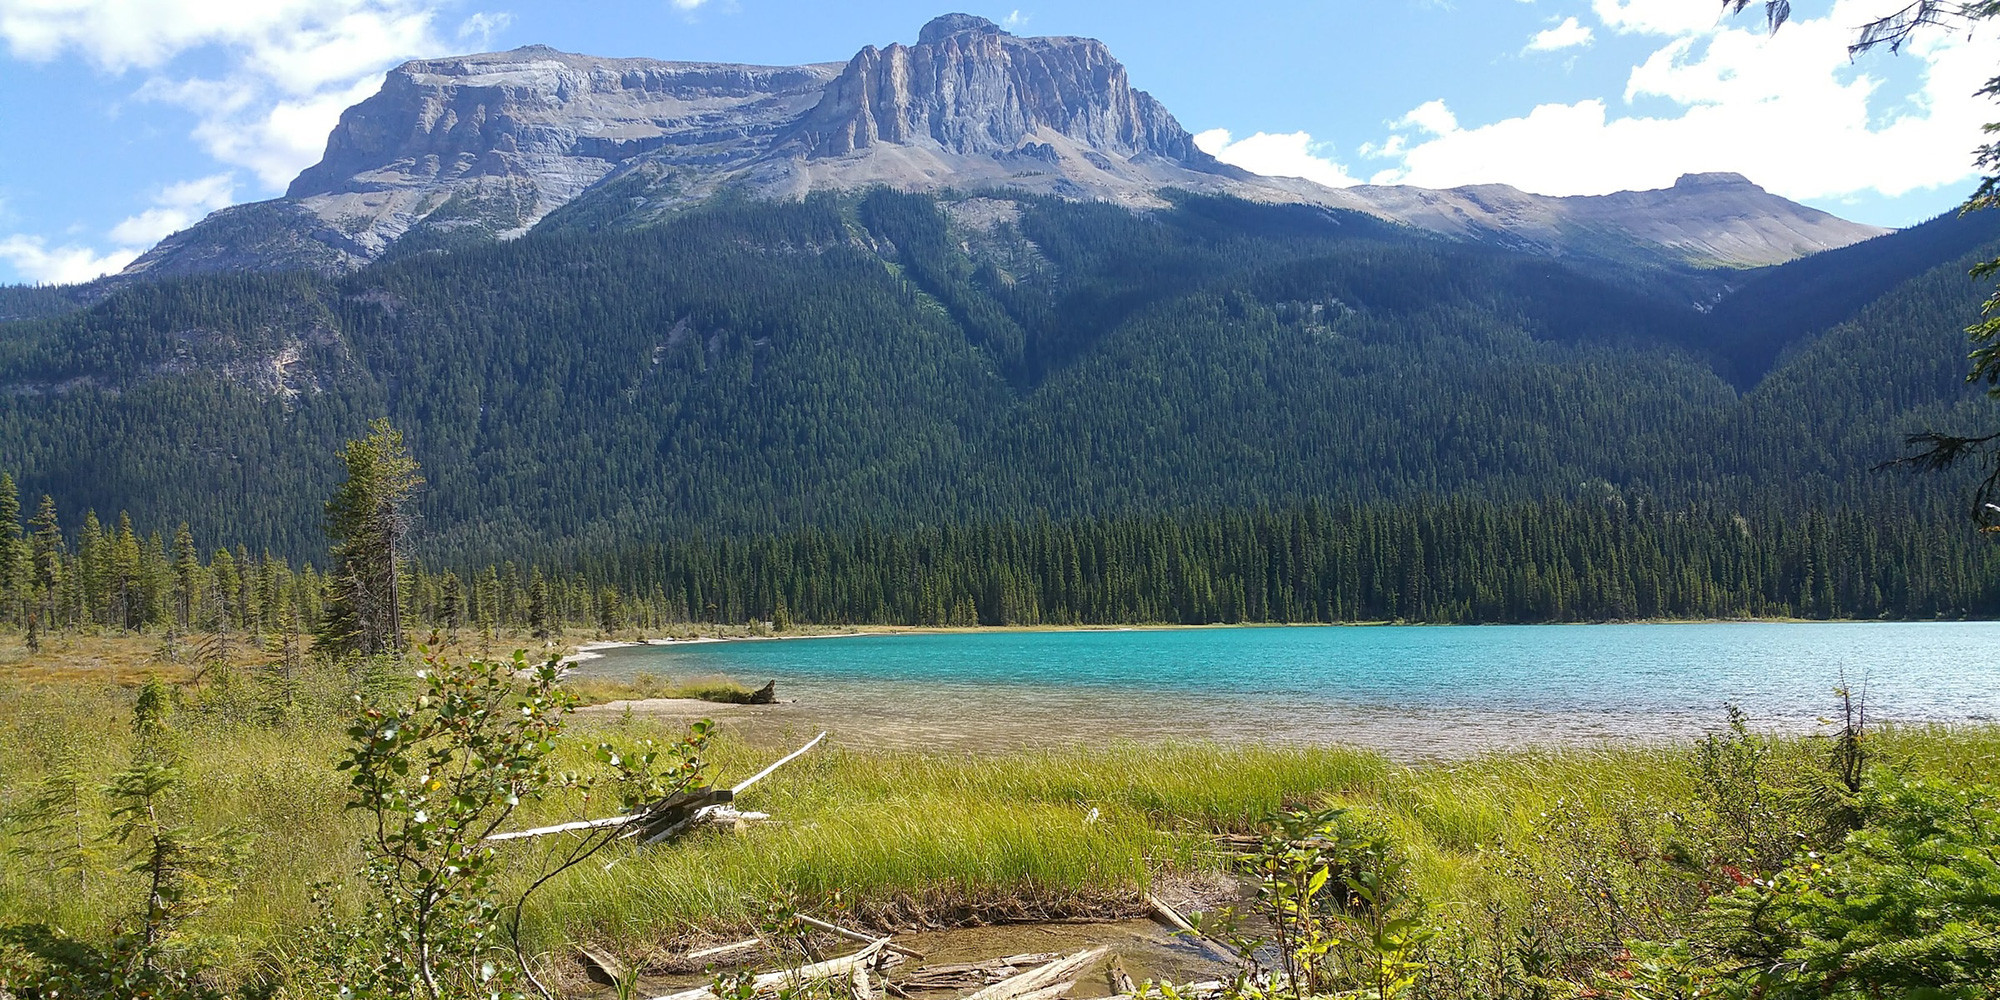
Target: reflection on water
[[1413, 692]]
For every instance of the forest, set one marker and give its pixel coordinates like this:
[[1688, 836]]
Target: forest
[[945, 364], [1460, 561]]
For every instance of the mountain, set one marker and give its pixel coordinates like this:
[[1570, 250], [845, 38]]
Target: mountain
[[480, 148], [912, 359]]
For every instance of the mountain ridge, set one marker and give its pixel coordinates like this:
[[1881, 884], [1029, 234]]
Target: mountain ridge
[[484, 147]]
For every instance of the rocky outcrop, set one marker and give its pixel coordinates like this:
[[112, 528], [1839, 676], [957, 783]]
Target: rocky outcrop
[[498, 141], [483, 147], [969, 88]]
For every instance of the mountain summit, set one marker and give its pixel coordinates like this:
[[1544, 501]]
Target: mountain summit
[[476, 148]]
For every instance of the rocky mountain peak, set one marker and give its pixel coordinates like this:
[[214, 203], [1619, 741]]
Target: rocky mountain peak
[[968, 88], [481, 147], [1718, 179], [947, 25]]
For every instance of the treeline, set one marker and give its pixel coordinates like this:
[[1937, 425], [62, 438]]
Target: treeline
[[111, 576], [752, 368], [1456, 561]]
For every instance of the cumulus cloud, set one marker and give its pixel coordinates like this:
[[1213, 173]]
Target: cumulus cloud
[[175, 208], [1567, 35], [292, 65], [287, 70], [1430, 116], [1791, 111], [65, 265], [1287, 154]]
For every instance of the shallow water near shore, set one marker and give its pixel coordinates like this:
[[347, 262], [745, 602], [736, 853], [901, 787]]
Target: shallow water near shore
[[1412, 691]]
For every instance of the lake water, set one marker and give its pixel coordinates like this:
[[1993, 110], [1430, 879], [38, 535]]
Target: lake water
[[1418, 691]]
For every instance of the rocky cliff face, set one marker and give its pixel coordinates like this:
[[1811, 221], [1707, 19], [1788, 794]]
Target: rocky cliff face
[[487, 145], [483, 147], [969, 88]]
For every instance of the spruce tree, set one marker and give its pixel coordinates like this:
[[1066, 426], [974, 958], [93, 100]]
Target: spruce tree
[[368, 518], [45, 546], [13, 582]]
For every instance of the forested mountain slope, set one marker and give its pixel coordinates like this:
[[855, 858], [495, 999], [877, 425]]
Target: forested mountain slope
[[902, 359]]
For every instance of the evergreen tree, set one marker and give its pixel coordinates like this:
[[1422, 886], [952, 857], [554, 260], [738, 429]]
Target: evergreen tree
[[13, 579], [368, 518], [45, 541], [128, 609]]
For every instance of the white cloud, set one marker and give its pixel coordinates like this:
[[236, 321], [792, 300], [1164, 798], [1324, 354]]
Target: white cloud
[[1567, 35], [1430, 116], [292, 65], [688, 4], [1289, 154], [65, 265], [1788, 110], [482, 27], [1657, 17], [175, 208], [287, 70], [1015, 20]]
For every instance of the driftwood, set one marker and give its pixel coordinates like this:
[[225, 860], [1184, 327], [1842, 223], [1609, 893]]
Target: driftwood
[[601, 966], [767, 983], [963, 975], [973, 975], [1036, 980], [766, 695], [732, 948], [1250, 843], [854, 935], [1049, 992], [672, 815], [1166, 914], [1121, 981]]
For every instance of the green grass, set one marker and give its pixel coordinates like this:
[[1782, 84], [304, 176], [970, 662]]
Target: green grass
[[902, 837], [596, 690]]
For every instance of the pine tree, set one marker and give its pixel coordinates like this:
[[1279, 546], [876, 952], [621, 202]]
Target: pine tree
[[368, 518], [13, 581], [538, 606], [125, 576], [45, 546]]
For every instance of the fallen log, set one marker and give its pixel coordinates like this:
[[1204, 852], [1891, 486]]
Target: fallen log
[[669, 831], [1049, 992], [1172, 918], [671, 815], [734, 947], [1121, 981], [959, 975], [854, 935], [600, 967], [766, 983], [1036, 979]]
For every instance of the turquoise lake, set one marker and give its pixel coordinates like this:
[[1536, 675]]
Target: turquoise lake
[[1415, 691]]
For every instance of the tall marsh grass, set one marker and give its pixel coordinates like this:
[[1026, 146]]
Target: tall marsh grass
[[893, 838]]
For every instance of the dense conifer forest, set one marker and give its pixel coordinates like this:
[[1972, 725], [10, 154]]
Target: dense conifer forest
[[1454, 561], [929, 365]]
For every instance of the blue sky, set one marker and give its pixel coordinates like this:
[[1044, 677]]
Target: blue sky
[[126, 119]]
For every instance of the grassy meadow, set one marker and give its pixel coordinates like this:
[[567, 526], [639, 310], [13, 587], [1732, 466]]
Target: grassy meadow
[[1589, 848]]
